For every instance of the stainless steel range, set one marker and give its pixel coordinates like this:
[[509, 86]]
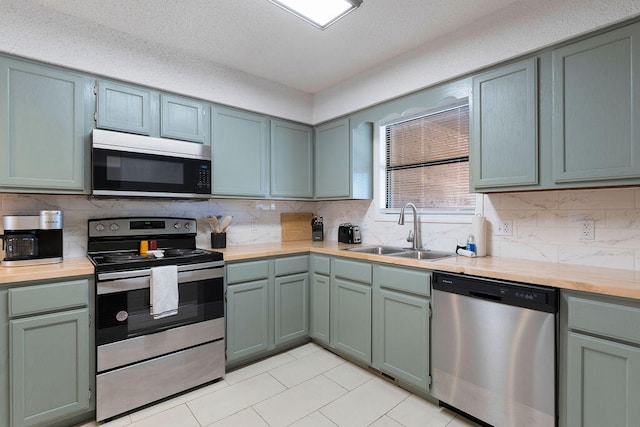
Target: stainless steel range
[[143, 356]]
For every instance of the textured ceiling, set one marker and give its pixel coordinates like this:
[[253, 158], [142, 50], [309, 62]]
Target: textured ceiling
[[259, 38]]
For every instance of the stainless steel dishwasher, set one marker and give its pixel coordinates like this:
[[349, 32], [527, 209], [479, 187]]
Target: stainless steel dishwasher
[[493, 349]]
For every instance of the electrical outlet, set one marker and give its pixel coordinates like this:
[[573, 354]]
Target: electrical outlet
[[588, 230], [504, 227]]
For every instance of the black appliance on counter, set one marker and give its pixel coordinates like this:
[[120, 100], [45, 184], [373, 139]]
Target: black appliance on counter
[[317, 229], [140, 358], [32, 239], [349, 233]]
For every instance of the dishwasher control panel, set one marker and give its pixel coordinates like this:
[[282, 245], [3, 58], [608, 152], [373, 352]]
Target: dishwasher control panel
[[524, 295]]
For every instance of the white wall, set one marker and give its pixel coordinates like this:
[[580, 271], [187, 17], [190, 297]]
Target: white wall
[[34, 32], [31, 31], [254, 221], [523, 27], [546, 224]]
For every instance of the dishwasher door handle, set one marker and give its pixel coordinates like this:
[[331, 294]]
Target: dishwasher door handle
[[484, 295]]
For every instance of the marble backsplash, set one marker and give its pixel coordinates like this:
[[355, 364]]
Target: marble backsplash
[[546, 224]]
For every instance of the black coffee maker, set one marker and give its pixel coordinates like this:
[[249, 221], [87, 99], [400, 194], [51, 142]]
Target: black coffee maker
[[32, 239]]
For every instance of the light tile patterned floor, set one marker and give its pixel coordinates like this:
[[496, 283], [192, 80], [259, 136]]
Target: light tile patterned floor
[[304, 387]]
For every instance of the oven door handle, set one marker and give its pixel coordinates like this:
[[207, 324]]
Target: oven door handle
[[123, 281]]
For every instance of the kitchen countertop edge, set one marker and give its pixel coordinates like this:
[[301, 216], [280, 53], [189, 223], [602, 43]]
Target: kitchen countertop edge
[[599, 280], [69, 267]]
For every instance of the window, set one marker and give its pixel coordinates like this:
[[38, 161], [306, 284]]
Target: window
[[427, 162]]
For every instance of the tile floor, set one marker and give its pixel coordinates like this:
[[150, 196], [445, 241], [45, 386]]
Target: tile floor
[[304, 387]]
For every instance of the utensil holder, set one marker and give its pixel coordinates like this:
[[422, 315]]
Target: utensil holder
[[218, 240]]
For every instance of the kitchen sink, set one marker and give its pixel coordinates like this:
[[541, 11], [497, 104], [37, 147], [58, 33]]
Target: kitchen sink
[[395, 251], [377, 250], [423, 254]]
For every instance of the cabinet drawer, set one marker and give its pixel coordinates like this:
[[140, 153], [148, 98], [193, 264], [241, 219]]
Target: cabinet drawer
[[406, 280], [292, 265], [48, 297], [247, 271], [321, 265], [352, 270], [617, 320]]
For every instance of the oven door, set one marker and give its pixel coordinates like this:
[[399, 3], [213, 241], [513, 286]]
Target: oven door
[[123, 301]]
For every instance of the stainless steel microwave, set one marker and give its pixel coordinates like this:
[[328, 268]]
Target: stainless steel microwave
[[140, 166]]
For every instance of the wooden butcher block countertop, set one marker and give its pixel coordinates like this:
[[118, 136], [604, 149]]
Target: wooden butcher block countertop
[[68, 268], [607, 281]]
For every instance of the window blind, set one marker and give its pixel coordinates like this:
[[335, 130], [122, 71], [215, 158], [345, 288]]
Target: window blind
[[427, 161]]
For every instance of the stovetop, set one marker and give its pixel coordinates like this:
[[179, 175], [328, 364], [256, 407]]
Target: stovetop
[[114, 243], [129, 260]]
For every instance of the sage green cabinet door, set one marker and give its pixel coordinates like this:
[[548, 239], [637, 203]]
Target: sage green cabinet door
[[44, 131], [320, 299], [239, 149], [183, 118], [596, 107], [291, 160], [333, 160], [351, 319], [291, 308], [126, 108], [503, 143], [603, 382], [247, 319], [49, 359], [401, 337]]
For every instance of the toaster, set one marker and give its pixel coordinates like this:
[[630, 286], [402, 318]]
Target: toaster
[[349, 233]]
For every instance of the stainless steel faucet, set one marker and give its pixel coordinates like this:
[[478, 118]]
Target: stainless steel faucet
[[415, 235]]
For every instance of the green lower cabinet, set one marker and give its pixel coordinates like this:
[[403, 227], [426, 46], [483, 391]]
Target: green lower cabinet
[[599, 361], [47, 353], [603, 382], [247, 319], [401, 337], [401, 323], [320, 300], [267, 306], [291, 308], [49, 367], [351, 319]]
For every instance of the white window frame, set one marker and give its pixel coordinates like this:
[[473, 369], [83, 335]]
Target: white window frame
[[384, 214]]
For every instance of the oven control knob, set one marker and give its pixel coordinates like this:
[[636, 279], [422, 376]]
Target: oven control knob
[[100, 227], [176, 225], [114, 227], [187, 225]]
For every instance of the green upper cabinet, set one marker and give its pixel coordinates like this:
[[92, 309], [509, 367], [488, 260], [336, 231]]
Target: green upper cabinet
[[503, 140], [332, 160], [291, 160], [183, 118], [596, 108], [44, 128], [126, 108], [239, 148], [343, 161]]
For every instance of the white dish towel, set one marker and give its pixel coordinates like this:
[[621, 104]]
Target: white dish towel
[[164, 291]]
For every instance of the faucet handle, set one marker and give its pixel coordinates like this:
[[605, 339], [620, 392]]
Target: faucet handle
[[410, 237]]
